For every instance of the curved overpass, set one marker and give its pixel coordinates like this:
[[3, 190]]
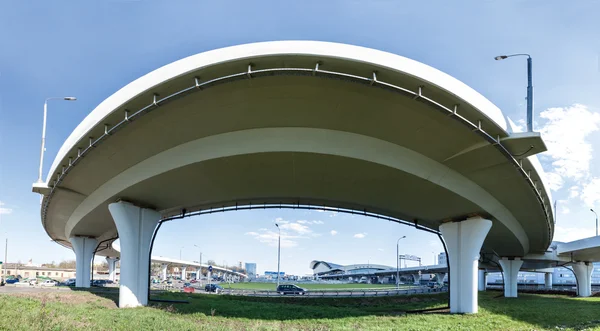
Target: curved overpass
[[299, 122]]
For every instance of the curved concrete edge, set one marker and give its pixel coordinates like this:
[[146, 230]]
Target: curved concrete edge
[[321, 141], [317, 48], [591, 245], [537, 166]]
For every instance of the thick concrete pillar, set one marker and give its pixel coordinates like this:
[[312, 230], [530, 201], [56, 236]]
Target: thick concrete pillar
[[416, 279], [548, 280], [440, 278], [482, 280], [84, 251], [198, 273], [510, 271], [183, 269], [583, 273], [164, 271], [112, 263], [136, 226], [464, 240]]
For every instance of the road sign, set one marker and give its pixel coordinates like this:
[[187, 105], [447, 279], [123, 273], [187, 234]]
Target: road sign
[[210, 268]]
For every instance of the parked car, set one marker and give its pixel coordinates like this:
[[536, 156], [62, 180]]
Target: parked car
[[193, 281], [69, 282], [12, 281], [290, 289], [187, 284], [48, 282], [213, 288]]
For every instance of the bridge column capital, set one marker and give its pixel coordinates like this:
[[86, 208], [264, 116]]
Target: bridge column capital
[[583, 274], [463, 241], [84, 248], [136, 226]]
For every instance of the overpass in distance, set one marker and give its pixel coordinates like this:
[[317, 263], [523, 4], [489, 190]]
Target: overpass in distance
[[184, 265], [296, 124]]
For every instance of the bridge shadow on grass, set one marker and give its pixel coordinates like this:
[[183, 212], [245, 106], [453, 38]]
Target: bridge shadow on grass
[[544, 311], [296, 308], [110, 293]]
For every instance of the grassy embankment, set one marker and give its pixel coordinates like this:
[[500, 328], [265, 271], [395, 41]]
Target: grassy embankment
[[66, 310]]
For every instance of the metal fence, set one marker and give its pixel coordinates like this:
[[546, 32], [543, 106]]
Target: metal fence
[[339, 293]]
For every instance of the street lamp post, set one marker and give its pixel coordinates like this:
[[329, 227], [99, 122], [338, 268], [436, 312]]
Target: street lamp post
[[44, 132], [278, 252], [529, 87], [182, 247], [397, 262], [596, 221]]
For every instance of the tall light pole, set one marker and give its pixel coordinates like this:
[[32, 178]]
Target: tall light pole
[[278, 252], [44, 132], [596, 221], [397, 262], [200, 259], [529, 87], [182, 247]]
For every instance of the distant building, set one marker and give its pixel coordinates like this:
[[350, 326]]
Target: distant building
[[32, 271], [442, 259], [251, 270], [322, 268]]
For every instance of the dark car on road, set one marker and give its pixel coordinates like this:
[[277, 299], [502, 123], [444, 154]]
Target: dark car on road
[[213, 288], [290, 289]]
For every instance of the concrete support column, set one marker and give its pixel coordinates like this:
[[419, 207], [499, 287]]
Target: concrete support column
[[464, 240], [136, 226], [84, 251], [183, 269], [583, 273], [112, 263], [164, 271], [482, 280], [440, 278], [198, 273], [416, 279], [548, 280], [510, 271]]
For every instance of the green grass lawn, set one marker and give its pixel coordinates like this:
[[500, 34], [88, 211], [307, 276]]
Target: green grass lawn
[[308, 286], [66, 310]]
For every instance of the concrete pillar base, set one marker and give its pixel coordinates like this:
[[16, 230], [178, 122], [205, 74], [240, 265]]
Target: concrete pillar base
[[164, 271], [84, 251], [464, 240], [135, 226], [183, 269], [548, 280], [440, 278], [583, 273], [510, 270], [198, 273], [482, 280], [112, 263]]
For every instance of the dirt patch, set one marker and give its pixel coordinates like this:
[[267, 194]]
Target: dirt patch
[[70, 298]]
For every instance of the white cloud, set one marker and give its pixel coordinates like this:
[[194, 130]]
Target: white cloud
[[4, 210], [565, 134], [333, 232], [271, 238], [360, 235], [380, 249], [296, 227], [565, 210], [590, 195], [310, 222], [574, 192]]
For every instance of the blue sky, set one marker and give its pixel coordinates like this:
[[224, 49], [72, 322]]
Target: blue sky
[[91, 49]]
